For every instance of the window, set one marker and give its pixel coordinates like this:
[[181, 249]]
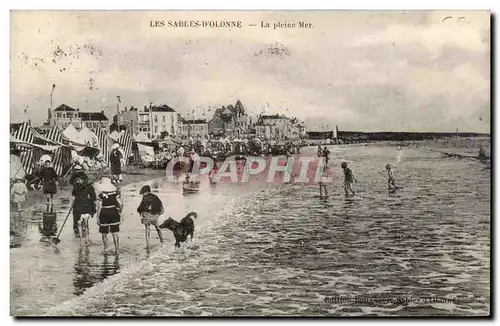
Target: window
[[58, 115], [156, 130], [164, 119], [156, 118]]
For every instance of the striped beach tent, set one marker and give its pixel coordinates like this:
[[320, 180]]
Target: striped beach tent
[[26, 134], [61, 159], [125, 141], [104, 142]]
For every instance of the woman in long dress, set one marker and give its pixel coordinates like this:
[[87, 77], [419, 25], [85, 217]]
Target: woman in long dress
[[109, 208]]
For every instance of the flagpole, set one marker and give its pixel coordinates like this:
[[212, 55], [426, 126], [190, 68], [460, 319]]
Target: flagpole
[[118, 112], [51, 105]]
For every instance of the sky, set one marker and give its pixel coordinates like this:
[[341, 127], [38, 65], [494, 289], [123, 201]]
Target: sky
[[359, 70]]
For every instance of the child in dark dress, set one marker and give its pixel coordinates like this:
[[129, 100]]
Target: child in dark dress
[[109, 208], [48, 178]]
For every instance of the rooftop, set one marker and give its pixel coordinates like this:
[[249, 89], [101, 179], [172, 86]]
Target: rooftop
[[64, 108], [162, 108], [195, 121], [93, 116]]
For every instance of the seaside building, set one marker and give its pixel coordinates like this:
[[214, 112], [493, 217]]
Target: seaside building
[[323, 131], [65, 115], [195, 128], [164, 119], [279, 127], [231, 121], [135, 120], [154, 121]]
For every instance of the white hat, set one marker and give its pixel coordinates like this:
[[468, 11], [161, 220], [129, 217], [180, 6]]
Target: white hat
[[105, 185], [115, 146], [77, 167]]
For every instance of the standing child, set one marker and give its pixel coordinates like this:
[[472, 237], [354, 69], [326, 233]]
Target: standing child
[[326, 154], [48, 177], [213, 173], [109, 208], [150, 210], [18, 193], [391, 181], [115, 160], [322, 182], [348, 179]]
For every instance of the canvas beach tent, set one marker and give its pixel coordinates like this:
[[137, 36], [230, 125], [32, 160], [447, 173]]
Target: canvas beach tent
[[89, 137], [115, 135], [141, 137], [74, 137]]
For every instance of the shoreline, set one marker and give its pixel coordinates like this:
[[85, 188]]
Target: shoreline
[[35, 200]]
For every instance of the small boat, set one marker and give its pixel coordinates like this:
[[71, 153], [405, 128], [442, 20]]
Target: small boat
[[191, 186]]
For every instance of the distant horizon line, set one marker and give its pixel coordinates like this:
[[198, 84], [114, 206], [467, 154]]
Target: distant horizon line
[[362, 132]]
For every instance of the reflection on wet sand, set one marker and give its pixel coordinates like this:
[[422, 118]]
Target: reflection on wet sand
[[87, 273]]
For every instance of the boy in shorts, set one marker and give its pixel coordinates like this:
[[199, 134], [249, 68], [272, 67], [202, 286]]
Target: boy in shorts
[[150, 210]]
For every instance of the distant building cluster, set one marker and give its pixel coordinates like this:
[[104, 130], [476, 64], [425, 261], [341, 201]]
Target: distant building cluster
[[160, 121]]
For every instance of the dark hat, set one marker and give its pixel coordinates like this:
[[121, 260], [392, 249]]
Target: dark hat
[[343, 165], [144, 190]]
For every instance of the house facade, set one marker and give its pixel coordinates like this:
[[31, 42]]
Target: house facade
[[65, 115], [154, 121], [196, 129], [231, 121], [163, 119], [279, 127]]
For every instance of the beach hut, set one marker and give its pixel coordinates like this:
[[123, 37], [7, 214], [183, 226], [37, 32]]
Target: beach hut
[[88, 137], [74, 138], [142, 137], [115, 135]]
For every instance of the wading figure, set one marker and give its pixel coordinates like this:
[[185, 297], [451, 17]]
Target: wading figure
[[348, 179], [150, 210], [322, 183], [84, 206], [48, 177], [326, 154], [115, 159], [109, 208], [391, 179]]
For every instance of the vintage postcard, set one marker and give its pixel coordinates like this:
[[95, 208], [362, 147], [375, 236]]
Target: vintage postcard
[[250, 163]]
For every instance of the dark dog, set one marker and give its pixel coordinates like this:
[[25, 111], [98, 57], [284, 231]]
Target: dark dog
[[181, 230]]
